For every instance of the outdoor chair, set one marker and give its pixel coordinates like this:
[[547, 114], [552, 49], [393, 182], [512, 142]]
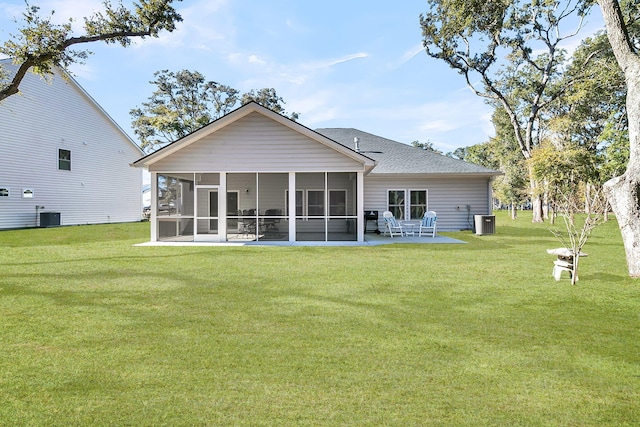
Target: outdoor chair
[[428, 224], [270, 223], [391, 224], [246, 226]]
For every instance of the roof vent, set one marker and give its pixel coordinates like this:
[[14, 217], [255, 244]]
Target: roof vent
[[356, 144]]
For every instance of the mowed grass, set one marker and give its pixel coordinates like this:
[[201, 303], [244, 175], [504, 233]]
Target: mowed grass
[[96, 331]]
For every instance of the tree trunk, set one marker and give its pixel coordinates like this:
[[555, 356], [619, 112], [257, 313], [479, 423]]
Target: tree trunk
[[536, 205], [624, 195], [623, 192], [536, 199], [574, 268]]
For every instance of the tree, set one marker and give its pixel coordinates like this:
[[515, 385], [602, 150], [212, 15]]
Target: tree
[[185, 101], [578, 229], [182, 103], [594, 98], [563, 170], [267, 97], [493, 42], [427, 146], [503, 148], [42, 45], [623, 192]]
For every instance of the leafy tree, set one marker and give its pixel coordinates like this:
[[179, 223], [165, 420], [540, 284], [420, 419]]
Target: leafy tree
[[614, 154], [428, 146], [42, 45], [594, 97], [185, 101], [623, 192], [267, 97], [182, 103], [483, 154], [562, 170], [503, 148], [459, 153], [493, 42]]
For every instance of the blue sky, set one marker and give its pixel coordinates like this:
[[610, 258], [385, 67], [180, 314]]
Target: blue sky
[[339, 63]]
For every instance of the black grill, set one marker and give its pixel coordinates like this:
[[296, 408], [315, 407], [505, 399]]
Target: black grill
[[371, 216]]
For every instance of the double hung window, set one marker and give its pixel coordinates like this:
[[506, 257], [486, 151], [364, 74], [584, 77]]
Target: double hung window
[[64, 159], [408, 204]]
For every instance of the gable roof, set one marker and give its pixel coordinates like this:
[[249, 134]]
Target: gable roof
[[394, 157], [245, 110]]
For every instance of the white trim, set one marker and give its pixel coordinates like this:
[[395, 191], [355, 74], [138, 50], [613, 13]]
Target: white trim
[[291, 214], [153, 218], [360, 206]]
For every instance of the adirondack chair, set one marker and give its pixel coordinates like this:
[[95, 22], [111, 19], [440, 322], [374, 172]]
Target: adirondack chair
[[428, 224], [391, 224]]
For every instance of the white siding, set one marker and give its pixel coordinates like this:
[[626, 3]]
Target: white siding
[[256, 143], [448, 197], [101, 186]]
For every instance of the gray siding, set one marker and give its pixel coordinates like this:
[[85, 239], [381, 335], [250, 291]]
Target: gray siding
[[101, 186], [448, 197], [256, 143]]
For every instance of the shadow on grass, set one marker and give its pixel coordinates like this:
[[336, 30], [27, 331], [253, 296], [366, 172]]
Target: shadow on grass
[[74, 234], [603, 277]]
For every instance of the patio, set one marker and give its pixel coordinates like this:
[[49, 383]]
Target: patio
[[370, 240]]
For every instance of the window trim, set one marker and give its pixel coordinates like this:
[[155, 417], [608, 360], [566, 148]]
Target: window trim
[[62, 161], [406, 203]]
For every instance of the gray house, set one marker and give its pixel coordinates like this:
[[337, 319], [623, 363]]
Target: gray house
[[256, 175]]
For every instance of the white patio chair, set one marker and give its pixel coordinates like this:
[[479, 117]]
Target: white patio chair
[[391, 224], [428, 224]]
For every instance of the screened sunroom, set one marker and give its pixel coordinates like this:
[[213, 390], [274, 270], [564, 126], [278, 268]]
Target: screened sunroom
[[239, 207]]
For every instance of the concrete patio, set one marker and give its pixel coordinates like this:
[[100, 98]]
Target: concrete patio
[[370, 240]]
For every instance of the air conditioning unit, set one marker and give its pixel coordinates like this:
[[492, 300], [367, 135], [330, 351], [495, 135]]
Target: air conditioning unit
[[49, 219], [485, 224]]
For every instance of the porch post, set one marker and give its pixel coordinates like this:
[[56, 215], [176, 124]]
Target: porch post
[[222, 210], [153, 218], [360, 207], [292, 207]]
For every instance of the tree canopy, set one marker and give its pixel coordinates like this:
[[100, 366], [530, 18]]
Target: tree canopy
[[42, 44], [185, 101], [508, 53]]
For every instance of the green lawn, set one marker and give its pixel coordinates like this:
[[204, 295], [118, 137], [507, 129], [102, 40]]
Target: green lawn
[[95, 331]]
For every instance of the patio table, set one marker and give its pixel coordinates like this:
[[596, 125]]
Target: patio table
[[408, 228]]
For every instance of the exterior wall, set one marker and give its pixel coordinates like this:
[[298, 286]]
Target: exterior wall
[[448, 197], [101, 187], [256, 143]]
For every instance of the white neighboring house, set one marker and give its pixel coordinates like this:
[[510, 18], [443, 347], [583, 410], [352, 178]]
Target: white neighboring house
[[63, 154]]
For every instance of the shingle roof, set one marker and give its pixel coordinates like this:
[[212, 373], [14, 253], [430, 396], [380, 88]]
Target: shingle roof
[[394, 157]]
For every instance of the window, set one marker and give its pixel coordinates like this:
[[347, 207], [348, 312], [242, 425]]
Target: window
[[27, 193], [4, 191], [412, 207], [396, 203], [418, 205], [315, 202], [337, 202], [64, 160]]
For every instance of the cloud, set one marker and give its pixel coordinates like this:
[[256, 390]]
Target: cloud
[[411, 53]]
